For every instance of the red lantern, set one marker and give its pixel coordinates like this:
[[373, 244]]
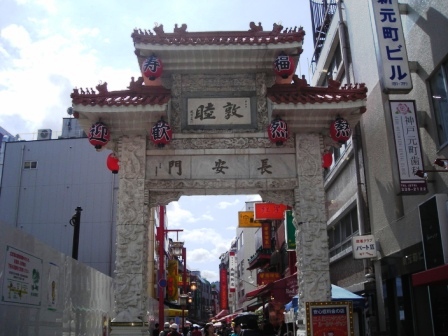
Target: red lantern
[[113, 164], [152, 67], [284, 65], [99, 135], [161, 133], [278, 131], [327, 159], [340, 130]]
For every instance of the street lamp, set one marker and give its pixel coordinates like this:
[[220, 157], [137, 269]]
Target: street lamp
[[75, 221]]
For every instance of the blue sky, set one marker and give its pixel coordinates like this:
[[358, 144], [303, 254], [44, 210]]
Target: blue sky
[[49, 47]]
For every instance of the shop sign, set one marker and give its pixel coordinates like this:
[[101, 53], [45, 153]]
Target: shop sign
[[269, 211], [391, 49], [223, 289], [246, 219], [263, 278], [232, 269], [290, 231], [407, 146], [172, 292], [329, 318], [364, 247], [266, 235]]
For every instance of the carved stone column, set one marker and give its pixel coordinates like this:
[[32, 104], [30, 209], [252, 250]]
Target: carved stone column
[[132, 219], [310, 220]]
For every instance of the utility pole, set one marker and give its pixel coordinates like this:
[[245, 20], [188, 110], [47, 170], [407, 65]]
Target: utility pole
[[75, 221]]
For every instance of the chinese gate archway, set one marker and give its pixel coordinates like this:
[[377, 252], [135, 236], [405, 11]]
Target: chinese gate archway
[[219, 99]]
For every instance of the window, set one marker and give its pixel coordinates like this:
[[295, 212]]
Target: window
[[439, 91], [30, 165], [340, 234]]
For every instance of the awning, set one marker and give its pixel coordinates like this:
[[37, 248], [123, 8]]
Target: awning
[[222, 313], [434, 276], [229, 318], [255, 292]]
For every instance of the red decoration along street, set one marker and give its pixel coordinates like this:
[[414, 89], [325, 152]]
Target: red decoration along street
[[278, 131], [152, 67], [327, 159], [113, 164], [99, 135], [340, 130], [161, 133], [284, 65]]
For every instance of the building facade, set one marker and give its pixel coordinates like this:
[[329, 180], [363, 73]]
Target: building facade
[[366, 187]]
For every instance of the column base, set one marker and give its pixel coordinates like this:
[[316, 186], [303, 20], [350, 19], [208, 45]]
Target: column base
[[128, 329]]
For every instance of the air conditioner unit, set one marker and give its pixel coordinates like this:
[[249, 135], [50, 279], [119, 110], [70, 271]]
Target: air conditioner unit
[[44, 134]]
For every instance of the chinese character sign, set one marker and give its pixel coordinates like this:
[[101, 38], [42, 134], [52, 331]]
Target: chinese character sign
[[223, 289], [246, 219], [152, 67], [161, 133], [393, 59], [172, 279], [219, 111], [99, 135], [269, 211], [407, 145], [364, 247]]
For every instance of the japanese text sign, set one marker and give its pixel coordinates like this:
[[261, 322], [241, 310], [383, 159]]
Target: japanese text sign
[[22, 278], [246, 219], [329, 318], [263, 278], [393, 59], [232, 272], [269, 211], [407, 145], [364, 247], [172, 278]]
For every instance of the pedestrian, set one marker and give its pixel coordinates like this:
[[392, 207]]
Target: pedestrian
[[209, 330], [236, 330], [156, 330], [174, 327], [166, 329], [196, 331]]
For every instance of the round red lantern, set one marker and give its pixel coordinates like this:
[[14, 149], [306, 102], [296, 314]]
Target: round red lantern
[[340, 130], [152, 67], [99, 135], [278, 131], [161, 133], [113, 164], [284, 65], [327, 159]]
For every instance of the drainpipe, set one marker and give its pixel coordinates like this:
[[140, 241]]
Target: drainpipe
[[19, 187], [343, 42]]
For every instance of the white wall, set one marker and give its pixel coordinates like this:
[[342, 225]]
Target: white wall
[[76, 304]]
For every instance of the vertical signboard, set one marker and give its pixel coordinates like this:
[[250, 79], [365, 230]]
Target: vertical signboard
[[290, 232], [22, 278], [223, 290], [407, 146], [266, 235], [232, 269], [392, 55], [172, 278]]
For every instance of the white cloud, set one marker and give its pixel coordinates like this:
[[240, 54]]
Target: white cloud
[[17, 36], [225, 205]]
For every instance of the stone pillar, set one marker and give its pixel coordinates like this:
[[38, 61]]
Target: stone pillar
[[310, 219], [132, 247]]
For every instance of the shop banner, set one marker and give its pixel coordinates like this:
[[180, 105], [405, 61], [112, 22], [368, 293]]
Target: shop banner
[[364, 247], [172, 292], [266, 235], [290, 231], [269, 211], [223, 292], [329, 318], [246, 219]]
